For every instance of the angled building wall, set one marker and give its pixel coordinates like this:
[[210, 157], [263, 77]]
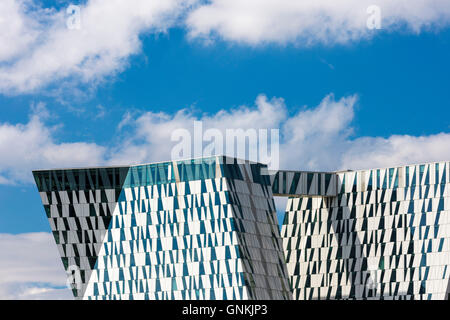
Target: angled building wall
[[207, 229], [386, 235], [197, 229]]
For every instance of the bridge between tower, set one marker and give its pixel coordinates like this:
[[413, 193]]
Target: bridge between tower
[[303, 184]]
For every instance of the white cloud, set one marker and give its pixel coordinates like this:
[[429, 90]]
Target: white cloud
[[25, 147], [310, 22], [314, 138], [3, 180], [317, 138], [33, 291], [37, 48], [150, 138], [280, 205], [17, 29], [322, 139], [369, 152], [30, 268]]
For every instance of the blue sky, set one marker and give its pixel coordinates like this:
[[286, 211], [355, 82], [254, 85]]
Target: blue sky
[[382, 94], [402, 82]]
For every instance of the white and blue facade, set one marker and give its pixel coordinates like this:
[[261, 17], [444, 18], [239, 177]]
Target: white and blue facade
[[196, 229], [385, 235], [207, 229]]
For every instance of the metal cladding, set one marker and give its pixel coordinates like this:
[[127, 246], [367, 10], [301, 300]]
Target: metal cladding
[[207, 229], [196, 229], [386, 235]]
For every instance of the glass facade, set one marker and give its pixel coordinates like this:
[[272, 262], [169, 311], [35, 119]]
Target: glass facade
[[386, 235], [196, 229], [207, 229]]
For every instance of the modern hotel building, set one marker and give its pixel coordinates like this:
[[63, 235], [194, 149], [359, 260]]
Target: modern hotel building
[[207, 229]]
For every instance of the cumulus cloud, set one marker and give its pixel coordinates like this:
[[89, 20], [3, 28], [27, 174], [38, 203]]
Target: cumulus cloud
[[37, 48], [323, 139], [16, 29], [310, 22], [397, 150], [25, 147], [313, 138], [144, 138], [30, 268], [151, 140], [316, 138]]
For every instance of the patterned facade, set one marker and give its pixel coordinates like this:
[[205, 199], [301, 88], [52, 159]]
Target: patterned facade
[[303, 184], [207, 229], [386, 235], [197, 229]]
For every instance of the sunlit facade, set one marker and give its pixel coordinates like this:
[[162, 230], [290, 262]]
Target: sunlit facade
[[197, 229], [207, 229], [386, 235]]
